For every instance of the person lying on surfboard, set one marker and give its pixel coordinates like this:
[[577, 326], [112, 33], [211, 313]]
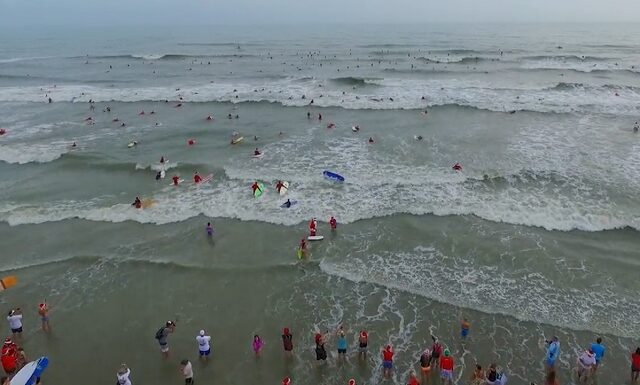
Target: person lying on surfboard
[[280, 185], [256, 152]]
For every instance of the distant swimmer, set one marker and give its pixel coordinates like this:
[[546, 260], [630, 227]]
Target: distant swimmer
[[319, 116], [255, 187], [636, 127], [237, 116], [176, 180], [50, 101], [162, 160], [158, 175], [152, 112], [333, 223], [229, 116], [137, 203], [88, 119], [257, 152], [331, 125], [123, 125], [178, 105], [424, 113], [303, 247], [196, 177], [209, 117], [2, 131], [255, 138], [308, 115], [370, 140], [457, 167], [280, 185], [115, 120], [141, 113], [209, 229], [287, 204], [418, 138], [191, 142]]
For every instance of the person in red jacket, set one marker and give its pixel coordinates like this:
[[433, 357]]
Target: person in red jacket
[[387, 361], [333, 223], [446, 368], [196, 177], [9, 356]]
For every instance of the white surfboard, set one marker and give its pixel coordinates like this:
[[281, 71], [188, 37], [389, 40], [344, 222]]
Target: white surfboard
[[315, 238], [162, 174], [29, 373], [284, 188]]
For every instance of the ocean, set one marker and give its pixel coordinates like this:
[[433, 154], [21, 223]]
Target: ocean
[[536, 236]]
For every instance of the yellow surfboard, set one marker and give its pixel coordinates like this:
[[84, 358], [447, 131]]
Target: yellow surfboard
[[8, 282], [148, 203]]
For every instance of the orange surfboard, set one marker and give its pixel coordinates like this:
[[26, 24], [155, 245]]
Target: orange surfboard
[[8, 282]]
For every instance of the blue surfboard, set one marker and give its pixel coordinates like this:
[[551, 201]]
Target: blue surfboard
[[30, 372], [333, 176]]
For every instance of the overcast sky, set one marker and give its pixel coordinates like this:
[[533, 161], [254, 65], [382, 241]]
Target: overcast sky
[[217, 12]]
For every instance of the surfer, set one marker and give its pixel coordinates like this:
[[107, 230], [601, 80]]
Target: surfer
[[43, 312], [176, 180], [255, 187], [209, 229], [162, 334], [419, 137], [457, 167], [256, 152], [141, 113], [137, 203], [363, 342], [331, 125], [2, 131], [636, 127], [287, 342], [464, 328], [196, 177], [204, 347], [229, 116], [308, 115], [319, 116], [74, 145], [162, 160], [287, 204], [279, 185], [387, 361], [333, 223], [209, 117], [123, 375], [312, 227], [158, 175], [370, 139]]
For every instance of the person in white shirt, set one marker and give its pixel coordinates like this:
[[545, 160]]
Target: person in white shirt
[[187, 372], [586, 363], [15, 322], [204, 346], [123, 375]]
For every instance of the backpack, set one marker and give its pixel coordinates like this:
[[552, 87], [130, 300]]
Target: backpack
[[160, 333]]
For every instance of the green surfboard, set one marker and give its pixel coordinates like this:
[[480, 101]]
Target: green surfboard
[[259, 190]]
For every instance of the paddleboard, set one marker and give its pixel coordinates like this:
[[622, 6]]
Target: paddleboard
[[237, 140], [259, 191], [315, 237], [148, 203], [8, 282], [179, 181], [284, 205], [284, 188], [333, 176], [30, 372], [205, 179]]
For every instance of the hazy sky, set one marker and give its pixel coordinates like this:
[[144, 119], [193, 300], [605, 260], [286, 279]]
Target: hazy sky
[[216, 12]]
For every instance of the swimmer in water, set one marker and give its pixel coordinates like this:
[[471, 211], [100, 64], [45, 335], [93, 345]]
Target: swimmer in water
[[158, 175], [137, 203], [209, 117], [370, 140], [257, 152], [209, 229], [457, 167], [196, 177], [257, 345]]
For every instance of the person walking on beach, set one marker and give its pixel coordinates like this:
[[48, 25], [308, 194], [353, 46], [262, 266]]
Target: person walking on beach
[[187, 371], [287, 342], [204, 345], [123, 375], [43, 312], [162, 335], [446, 368], [635, 365], [15, 322], [257, 345], [553, 351], [387, 361], [598, 349], [363, 343]]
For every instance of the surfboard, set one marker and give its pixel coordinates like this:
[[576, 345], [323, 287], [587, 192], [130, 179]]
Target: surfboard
[[146, 203], [131, 144], [284, 188], [30, 372], [205, 179], [259, 191], [162, 174], [315, 237], [284, 205], [299, 253], [8, 282], [237, 140], [179, 181], [333, 176]]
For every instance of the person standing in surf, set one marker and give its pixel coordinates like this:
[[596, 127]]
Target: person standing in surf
[[162, 336], [287, 342], [209, 229], [321, 352], [43, 312], [387, 361], [553, 351], [363, 343], [204, 345]]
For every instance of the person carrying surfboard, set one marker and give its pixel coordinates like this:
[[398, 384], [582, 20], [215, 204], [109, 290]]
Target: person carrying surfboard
[[280, 185], [255, 187]]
